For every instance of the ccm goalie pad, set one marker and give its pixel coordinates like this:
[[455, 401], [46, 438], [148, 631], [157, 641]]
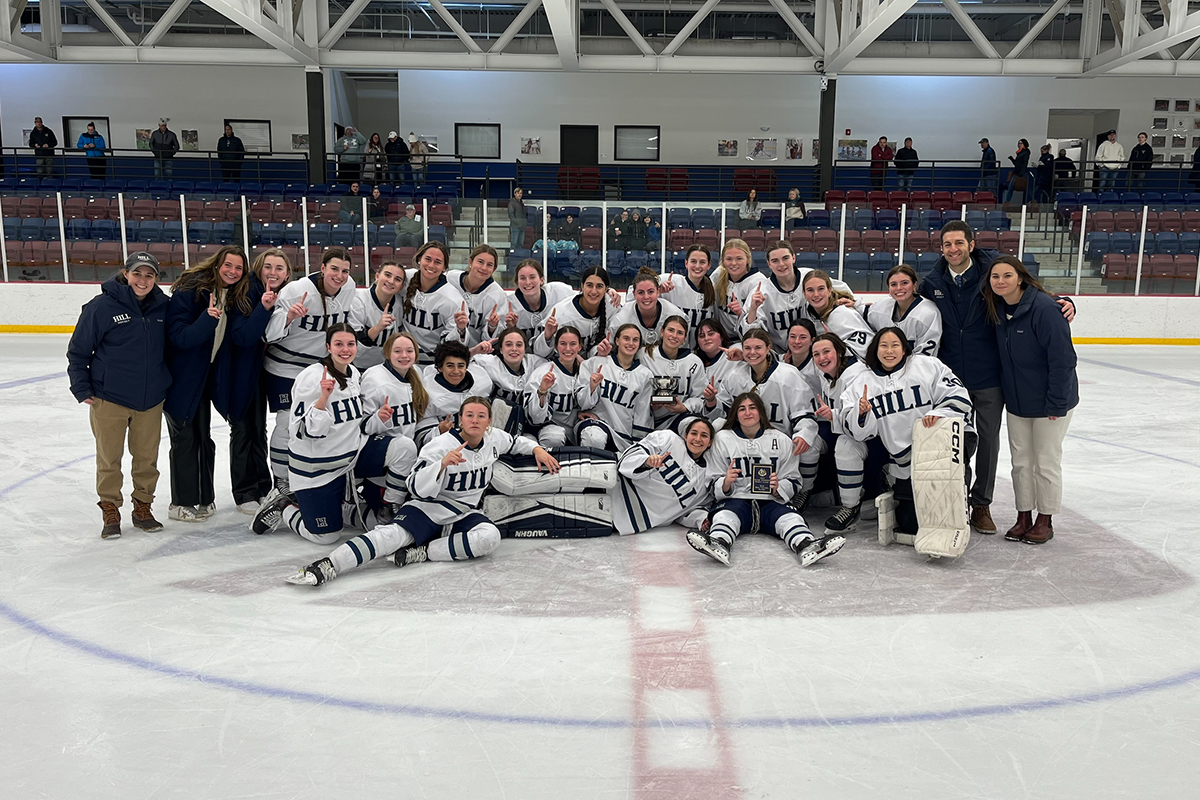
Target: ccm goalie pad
[[581, 469], [939, 488], [550, 516]]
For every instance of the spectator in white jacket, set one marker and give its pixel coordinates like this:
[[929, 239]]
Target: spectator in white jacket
[[1110, 158]]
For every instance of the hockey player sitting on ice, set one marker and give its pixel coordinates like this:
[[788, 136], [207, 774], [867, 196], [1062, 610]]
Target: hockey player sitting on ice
[[530, 304], [398, 382], [295, 336], [330, 438], [554, 400], [440, 522], [779, 299], [647, 311], [733, 282], [749, 501], [919, 318], [587, 312], [451, 379], [431, 303], [664, 479], [486, 300], [376, 313], [830, 317], [787, 398], [888, 397], [670, 360], [614, 395], [719, 359], [509, 370], [693, 293]]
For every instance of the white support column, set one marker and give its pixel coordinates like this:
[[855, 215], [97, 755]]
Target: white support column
[[62, 239], [304, 219], [121, 208], [724, 224], [545, 240], [3, 249], [245, 227], [1082, 240], [187, 262], [425, 222], [1137, 285], [1021, 241], [662, 240], [903, 232], [962, 214], [604, 234], [842, 245], [366, 245]]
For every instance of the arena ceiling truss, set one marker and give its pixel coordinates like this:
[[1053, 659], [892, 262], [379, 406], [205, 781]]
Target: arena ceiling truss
[[1081, 38]]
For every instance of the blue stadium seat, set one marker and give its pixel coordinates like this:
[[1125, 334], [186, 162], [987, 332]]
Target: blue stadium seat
[[808, 260], [199, 232], [150, 231], [977, 220], [829, 263], [172, 232], [1095, 244], [1166, 242], [105, 230], [818, 219], [272, 234], [997, 221], [223, 233], [887, 220], [319, 234], [1189, 243], [1121, 242], [926, 262], [294, 235], [1153, 200], [437, 233], [31, 229], [79, 229], [12, 228]]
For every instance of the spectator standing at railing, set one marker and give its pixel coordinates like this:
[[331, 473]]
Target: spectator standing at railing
[[881, 156], [374, 164], [517, 220], [164, 143], [409, 230], [1064, 171], [43, 141], [906, 165], [989, 168], [1110, 158], [1045, 176], [1140, 159], [349, 150], [397, 157], [1018, 176], [418, 157], [92, 143], [231, 152]]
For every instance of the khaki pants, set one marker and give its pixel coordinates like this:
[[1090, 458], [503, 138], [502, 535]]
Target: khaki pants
[[109, 424], [1036, 445]]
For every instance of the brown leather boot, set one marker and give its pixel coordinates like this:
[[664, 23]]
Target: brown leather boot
[[112, 520], [981, 520], [1024, 522], [143, 517], [1042, 530]]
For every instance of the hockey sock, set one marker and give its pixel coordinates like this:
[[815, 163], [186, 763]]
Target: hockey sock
[[475, 543], [725, 527], [809, 462], [279, 445], [593, 436], [794, 531], [376, 543]]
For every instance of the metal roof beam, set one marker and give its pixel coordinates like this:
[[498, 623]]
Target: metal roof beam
[[972, 30], [798, 28], [515, 26], [173, 13], [1145, 45], [563, 16], [248, 14], [690, 27], [632, 32], [855, 40], [459, 30], [109, 22], [337, 29]]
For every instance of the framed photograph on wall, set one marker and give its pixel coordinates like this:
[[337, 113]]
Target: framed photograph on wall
[[73, 127], [762, 149], [1159, 124], [531, 145], [794, 148], [1178, 158], [635, 142], [727, 148], [477, 140], [853, 150], [1183, 105], [1162, 105], [189, 139], [141, 138], [1158, 141], [254, 133]]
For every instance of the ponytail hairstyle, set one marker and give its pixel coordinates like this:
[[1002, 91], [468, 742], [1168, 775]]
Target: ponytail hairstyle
[[721, 285], [821, 275], [420, 397], [602, 314], [706, 284], [205, 277], [646, 274], [843, 354], [731, 420], [329, 255], [762, 336], [674, 318], [327, 361], [415, 284]]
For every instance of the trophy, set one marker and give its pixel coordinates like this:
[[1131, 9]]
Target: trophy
[[666, 389], [760, 478]]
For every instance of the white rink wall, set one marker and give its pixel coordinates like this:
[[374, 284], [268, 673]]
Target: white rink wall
[[54, 308]]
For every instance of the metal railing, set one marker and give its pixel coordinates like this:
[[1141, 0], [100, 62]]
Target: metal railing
[[71, 164]]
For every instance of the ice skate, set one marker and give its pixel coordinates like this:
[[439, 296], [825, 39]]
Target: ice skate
[[814, 551], [844, 520], [413, 554], [271, 512], [314, 574], [704, 543]]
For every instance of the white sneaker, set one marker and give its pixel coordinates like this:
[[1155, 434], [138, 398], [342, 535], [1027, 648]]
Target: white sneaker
[[183, 513], [250, 507], [205, 511]]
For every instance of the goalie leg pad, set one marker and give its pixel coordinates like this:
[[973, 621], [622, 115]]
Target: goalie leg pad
[[939, 488], [550, 516], [581, 469]]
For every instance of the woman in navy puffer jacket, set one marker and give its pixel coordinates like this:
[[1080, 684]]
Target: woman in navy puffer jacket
[[1037, 366]]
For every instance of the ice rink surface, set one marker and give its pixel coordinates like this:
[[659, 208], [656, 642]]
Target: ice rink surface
[[180, 664]]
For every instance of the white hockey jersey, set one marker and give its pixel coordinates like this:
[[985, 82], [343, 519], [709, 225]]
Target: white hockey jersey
[[920, 386], [716, 370], [445, 399], [832, 392], [382, 381], [646, 497], [622, 400], [533, 323], [651, 333], [741, 289], [431, 318], [689, 299], [781, 308], [569, 312], [688, 371], [507, 385], [561, 405], [323, 444], [479, 306], [447, 495], [847, 324], [365, 314], [922, 323], [768, 447], [786, 395], [291, 348]]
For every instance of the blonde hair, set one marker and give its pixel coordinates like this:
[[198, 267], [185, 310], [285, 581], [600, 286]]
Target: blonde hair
[[261, 262], [721, 284], [420, 397]]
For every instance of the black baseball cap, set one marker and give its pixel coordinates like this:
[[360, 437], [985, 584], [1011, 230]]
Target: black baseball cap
[[142, 259], [984, 141]]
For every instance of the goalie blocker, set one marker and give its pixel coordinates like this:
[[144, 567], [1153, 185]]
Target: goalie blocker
[[939, 492]]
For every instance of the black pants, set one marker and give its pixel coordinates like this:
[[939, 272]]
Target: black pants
[[193, 456], [349, 171], [98, 167], [248, 468], [231, 171]]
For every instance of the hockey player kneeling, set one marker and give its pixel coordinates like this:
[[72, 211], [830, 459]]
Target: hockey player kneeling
[[665, 479], [898, 394], [440, 522], [760, 475]]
